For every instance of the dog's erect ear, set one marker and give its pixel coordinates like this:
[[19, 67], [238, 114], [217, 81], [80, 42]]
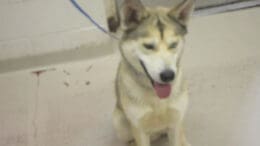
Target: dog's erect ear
[[133, 12], [183, 11]]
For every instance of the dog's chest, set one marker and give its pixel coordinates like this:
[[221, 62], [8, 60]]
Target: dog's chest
[[159, 118]]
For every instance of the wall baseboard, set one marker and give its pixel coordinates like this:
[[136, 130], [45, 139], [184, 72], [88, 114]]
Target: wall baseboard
[[79, 46]]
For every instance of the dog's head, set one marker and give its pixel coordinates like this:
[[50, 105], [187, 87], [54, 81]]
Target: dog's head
[[153, 39]]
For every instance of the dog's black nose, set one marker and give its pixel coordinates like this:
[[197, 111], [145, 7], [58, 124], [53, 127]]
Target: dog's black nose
[[167, 75]]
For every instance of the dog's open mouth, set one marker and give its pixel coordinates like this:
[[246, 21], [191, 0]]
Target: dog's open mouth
[[162, 90]]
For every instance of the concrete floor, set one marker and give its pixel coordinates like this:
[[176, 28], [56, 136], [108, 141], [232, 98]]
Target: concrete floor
[[71, 104]]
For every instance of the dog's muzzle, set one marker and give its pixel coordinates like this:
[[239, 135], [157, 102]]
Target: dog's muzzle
[[161, 90]]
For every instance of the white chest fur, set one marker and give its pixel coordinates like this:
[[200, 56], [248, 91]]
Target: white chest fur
[[159, 116]]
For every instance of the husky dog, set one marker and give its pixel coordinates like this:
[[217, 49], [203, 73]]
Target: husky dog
[[151, 94]]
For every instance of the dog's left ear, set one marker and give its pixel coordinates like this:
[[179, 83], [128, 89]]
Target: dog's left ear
[[183, 11]]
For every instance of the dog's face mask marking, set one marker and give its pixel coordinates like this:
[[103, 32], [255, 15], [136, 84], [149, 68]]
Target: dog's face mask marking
[[153, 41]]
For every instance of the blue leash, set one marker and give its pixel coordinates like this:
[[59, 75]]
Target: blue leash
[[78, 7]]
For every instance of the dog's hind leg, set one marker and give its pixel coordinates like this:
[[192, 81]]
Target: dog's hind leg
[[122, 125]]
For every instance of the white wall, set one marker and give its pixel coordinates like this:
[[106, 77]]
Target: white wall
[[32, 27], [36, 27]]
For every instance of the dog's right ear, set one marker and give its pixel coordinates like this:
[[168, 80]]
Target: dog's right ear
[[133, 12]]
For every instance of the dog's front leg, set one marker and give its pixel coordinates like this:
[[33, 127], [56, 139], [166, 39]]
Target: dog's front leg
[[141, 138], [177, 136]]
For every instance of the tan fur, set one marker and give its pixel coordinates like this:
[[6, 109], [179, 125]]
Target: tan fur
[[139, 114]]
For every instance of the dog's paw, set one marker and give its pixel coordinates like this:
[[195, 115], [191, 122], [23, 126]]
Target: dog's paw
[[164, 135], [186, 144], [131, 143]]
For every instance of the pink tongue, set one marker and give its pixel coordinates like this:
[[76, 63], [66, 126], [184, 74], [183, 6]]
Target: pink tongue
[[162, 90]]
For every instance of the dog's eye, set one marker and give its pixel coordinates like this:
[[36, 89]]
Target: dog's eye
[[173, 45], [149, 46]]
